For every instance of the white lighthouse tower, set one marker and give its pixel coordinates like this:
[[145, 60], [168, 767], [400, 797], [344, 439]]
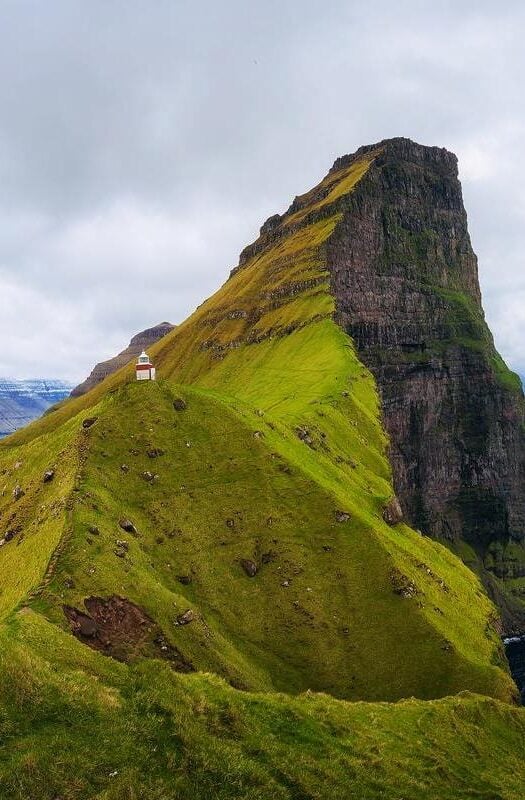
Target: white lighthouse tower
[[145, 369]]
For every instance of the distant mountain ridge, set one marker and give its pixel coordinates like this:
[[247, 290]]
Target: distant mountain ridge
[[22, 401], [141, 341]]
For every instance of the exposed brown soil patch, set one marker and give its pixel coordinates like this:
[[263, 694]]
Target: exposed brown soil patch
[[120, 629]]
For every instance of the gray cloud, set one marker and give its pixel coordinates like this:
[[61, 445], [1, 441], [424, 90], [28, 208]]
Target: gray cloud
[[143, 143]]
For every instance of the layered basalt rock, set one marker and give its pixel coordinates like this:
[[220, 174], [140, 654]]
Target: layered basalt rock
[[405, 281]]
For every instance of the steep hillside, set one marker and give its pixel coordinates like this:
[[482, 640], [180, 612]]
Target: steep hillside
[[238, 517], [141, 341], [22, 401]]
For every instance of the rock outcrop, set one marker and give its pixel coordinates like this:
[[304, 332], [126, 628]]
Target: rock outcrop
[[141, 341]]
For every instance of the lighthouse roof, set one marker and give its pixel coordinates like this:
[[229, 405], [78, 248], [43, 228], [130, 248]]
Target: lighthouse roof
[[143, 358]]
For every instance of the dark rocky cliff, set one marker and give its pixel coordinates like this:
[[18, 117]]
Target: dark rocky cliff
[[405, 281], [141, 341]]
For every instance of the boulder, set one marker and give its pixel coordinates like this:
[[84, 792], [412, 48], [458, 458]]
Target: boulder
[[148, 476], [49, 474], [18, 492], [179, 404], [392, 512], [304, 435], [249, 566], [342, 516], [186, 618], [155, 452], [127, 525], [87, 423]]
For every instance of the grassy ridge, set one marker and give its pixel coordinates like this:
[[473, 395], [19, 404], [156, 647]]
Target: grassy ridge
[[338, 625]]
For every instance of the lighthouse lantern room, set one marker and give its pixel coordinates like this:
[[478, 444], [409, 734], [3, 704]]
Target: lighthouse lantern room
[[145, 369]]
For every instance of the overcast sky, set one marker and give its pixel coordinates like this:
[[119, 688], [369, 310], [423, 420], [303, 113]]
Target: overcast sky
[[142, 144]]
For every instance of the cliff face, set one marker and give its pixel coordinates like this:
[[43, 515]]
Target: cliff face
[[141, 341], [405, 282]]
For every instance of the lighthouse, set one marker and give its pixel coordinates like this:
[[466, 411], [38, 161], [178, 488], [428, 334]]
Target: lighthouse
[[145, 369]]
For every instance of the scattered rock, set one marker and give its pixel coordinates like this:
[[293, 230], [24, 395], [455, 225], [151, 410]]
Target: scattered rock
[[186, 618], [9, 535], [268, 557], [49, 474], [249, 566], [327, 548], [87, 423], [148, 476], [304, 435], [18, 492], [184, 579], [179, 404], [93, 530], [285, 583], [122, 544], [230, 523], [155, 452], [124, 468], [69, 583], [128, 526], [402, 584], [392, 512], [342, 516]]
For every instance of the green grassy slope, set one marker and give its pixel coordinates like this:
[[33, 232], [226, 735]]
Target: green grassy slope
[[278, 457], [75, 724]]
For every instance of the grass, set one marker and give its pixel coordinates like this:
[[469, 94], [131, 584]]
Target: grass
[[144, 731], [279, 456]]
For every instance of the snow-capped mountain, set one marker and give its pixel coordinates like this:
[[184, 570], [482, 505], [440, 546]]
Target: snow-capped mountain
[[22, 401]]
